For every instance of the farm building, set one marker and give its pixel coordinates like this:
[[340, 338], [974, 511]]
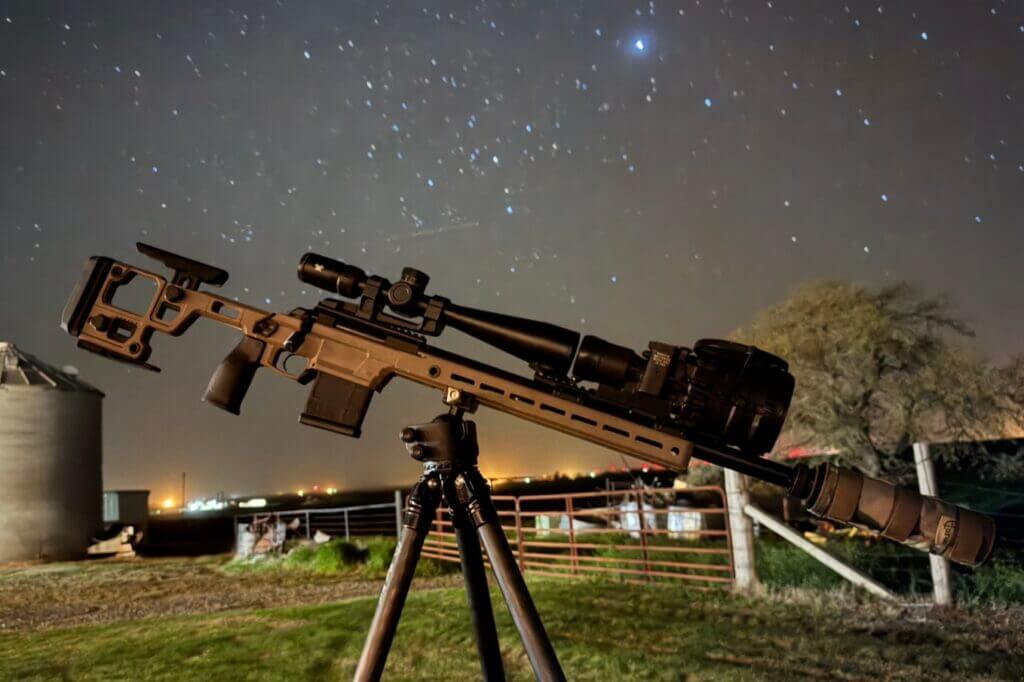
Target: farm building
[[51, 502]]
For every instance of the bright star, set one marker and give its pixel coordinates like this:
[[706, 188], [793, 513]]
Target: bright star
[[640, 45]]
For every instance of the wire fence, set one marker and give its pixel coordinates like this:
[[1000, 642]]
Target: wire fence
[[347, 522]]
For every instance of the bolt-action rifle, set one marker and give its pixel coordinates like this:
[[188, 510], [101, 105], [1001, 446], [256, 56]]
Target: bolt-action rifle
[[723, 401]]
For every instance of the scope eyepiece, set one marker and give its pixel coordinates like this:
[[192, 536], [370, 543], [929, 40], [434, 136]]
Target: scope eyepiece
[[331, 275]]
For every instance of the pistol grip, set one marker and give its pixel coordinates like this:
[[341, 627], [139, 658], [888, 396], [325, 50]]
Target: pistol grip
[[234, 375]]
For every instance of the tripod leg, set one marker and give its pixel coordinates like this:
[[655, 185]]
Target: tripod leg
[[419, 510], [473, 492], [479, 598]]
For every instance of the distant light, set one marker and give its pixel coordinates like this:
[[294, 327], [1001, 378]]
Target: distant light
[[332, 491], [867, 121], [593, 474], [306, 54], [885, 198], [168, 503], [527, 479], [301, 492], [509, 210], [977, 219], [201, 505], [254, 503], [924, 35], [707, 102], [639, 45]]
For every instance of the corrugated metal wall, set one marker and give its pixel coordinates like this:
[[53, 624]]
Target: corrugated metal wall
[[51, 488]]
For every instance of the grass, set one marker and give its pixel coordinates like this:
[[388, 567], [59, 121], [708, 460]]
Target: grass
[[601, 631], [903, 570], [365, 557]]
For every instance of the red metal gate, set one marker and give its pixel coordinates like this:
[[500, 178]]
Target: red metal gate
[[635, 535]]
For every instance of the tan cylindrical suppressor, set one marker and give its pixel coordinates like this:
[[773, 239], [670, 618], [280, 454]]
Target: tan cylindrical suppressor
[[902, 514]]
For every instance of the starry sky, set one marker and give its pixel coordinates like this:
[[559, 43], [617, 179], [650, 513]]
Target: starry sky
[[636, 170]]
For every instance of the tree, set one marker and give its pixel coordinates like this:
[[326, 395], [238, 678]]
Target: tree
[[879, 369]]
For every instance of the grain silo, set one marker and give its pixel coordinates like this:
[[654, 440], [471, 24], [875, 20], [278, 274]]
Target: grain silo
[[51, 487]]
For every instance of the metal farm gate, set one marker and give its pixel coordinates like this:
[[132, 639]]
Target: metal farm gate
[[635, 535]]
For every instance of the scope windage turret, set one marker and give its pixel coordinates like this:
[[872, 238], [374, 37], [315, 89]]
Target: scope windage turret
[[547, 347], [728, 393]]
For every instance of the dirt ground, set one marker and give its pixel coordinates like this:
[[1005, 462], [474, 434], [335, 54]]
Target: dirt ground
[[44, 596]]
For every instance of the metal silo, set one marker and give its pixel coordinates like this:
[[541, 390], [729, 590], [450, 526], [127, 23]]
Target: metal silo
[[51, 480]]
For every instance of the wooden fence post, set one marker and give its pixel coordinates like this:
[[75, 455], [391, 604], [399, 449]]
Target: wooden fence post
[[926, 483], [741, 531]]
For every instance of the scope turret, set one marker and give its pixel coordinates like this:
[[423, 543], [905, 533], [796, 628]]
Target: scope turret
[[547, 347]]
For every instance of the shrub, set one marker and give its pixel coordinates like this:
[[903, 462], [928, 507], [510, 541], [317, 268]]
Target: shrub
[[999, 582], [378, 555]]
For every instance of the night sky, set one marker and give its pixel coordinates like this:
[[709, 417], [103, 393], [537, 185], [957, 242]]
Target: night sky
[[634, 170]]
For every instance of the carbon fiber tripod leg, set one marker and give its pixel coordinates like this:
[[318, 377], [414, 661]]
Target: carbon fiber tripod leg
[[419, 511], [476, 498], [479, 599]]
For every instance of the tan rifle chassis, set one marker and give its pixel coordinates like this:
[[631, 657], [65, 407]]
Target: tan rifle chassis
[[361, 359]]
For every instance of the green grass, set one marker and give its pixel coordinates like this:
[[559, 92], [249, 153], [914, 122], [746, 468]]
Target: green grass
[[903, 570], [365, 557], [1001, 581], [602, 631]]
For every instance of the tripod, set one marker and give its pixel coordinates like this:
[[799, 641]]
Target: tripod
[[447, 446]]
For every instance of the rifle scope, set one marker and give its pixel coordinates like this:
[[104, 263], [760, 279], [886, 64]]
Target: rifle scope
[[547, 347]]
